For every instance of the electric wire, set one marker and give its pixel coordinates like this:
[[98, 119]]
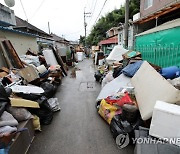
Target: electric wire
[[93, 11], [42, 2], [100, 11], [24, 10]]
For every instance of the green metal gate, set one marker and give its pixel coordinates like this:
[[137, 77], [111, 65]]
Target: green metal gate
[[161, 48]]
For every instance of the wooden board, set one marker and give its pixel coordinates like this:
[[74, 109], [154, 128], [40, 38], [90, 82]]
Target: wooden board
[[12, 54]]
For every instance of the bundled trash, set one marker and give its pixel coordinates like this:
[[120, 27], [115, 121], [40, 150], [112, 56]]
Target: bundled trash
[[137, 92], [27, 88]]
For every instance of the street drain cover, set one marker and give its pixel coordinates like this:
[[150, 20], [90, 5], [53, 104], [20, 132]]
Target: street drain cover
[[87, 86]]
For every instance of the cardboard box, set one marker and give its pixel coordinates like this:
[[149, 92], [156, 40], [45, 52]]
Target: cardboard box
[[166, 122], [29, 73]]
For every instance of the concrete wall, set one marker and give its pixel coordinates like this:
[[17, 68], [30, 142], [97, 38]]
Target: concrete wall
[[156, 5], [20, 42], [7, 15]]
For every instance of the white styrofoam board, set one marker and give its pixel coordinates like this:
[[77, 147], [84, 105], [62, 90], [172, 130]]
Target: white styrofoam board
[[165, 122], [150, 86]]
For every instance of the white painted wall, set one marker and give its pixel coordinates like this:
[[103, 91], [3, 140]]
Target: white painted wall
[[20, 42]]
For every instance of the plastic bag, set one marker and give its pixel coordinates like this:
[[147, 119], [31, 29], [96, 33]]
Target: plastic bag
[[130, 113], [120, 101], [3, 94], [20, 114], [44, 113], [108, 111], [36, 123], [170, 72], [54, 104], [123, 131], [49, 89], [108, 78]]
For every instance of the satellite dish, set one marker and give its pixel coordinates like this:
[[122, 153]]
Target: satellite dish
[[9, 3]]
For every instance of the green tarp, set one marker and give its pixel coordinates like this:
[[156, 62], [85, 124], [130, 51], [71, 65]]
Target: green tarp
[[161, 48]]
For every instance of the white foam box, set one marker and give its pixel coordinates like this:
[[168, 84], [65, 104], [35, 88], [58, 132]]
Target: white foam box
[[165, 122], [150, 86]]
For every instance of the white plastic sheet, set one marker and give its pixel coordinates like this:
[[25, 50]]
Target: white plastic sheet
[[112, 87], [116, 54]]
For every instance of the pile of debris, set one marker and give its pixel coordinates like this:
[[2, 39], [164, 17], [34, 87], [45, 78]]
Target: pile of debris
[[27, 89], [136, 97]]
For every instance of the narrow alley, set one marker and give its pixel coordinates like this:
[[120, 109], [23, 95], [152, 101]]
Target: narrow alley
[[77, 128]]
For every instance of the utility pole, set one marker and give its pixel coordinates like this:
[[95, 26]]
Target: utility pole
[[126, 27], [49, 28], [85, 24]]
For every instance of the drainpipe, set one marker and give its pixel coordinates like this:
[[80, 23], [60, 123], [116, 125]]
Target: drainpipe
[[156, 21], [126, 24]]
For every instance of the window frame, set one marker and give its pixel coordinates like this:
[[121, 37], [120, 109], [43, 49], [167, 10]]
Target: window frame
[[146, 4]]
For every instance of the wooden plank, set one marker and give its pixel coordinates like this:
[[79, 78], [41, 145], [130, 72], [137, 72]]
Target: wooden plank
[[59, 60], [12, 54]]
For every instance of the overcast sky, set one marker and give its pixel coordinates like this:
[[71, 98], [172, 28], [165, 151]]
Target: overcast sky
[[65, 16]]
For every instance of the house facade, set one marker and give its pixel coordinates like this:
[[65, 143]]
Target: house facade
[[121, 36], [158, 32], [21, 41], [42, 38], [112, 40]]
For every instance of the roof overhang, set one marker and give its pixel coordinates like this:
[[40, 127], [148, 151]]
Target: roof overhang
[[16, 31], [159, 13]]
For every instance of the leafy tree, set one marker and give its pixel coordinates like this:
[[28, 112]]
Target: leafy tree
[[82, 40], [111, 19]]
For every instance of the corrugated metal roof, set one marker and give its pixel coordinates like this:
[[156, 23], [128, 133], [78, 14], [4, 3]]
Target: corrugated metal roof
[[167, 25], [16, 31], [112, 40], [20, 23]]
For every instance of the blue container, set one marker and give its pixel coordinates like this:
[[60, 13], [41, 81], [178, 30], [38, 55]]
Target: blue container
[[170, 72]]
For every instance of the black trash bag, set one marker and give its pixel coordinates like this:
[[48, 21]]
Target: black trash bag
[[49, 89], [2, 107], [45, 115], [31, 97], [44, 112], [42, 101], [130, 113], [6, 81], [8, 91], [117, 71], [3, 94], [98, 76], [120, 126]]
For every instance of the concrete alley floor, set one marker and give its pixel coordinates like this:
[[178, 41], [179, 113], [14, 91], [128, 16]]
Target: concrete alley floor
[[77, 128]]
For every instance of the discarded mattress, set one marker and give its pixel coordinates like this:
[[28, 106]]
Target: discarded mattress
[[114, 86], [116, 54], [165, 122], [150, 86]]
